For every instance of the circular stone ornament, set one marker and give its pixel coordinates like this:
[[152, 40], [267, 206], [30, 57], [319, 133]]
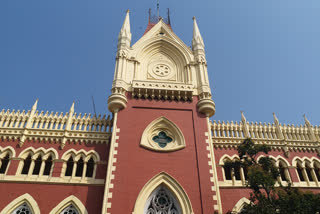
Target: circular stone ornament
[[161, 70]]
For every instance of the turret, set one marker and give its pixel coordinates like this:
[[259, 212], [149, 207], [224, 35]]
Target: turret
[[205, 104]]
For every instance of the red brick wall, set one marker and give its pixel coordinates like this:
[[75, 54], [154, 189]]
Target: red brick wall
[[136, 165], [50, 195]]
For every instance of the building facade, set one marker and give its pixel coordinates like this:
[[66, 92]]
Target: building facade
[[158, 153]]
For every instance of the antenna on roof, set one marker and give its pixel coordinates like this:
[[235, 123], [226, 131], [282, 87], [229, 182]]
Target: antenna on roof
[[94, 106], [149, 15], [169, 17], [158, 14]]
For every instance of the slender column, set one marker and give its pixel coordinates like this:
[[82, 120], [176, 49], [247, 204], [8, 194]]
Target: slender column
[[43, 163], [84, 171]]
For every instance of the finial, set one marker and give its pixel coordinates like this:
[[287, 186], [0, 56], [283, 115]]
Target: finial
[[34, 107], [243, 118], [276, 121], [72, 107], [127, 11], [306, 120]]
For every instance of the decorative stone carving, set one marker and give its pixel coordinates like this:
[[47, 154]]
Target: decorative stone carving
[[162, 135], [161, 67]]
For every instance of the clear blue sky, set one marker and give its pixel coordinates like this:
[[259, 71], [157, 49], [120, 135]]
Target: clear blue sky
[[263, 56]]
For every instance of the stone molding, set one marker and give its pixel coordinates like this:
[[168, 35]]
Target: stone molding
[[54, 127], [171, 129], [25, 198], [279, 136]]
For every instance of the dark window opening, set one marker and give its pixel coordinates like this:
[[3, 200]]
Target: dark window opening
[[37, 165], [79, 170], [69, 167], [299, 170], [227, 172], [237, 172], [282, 173], [308, 170], [26, 165], [47, 166], [90, 168], [245, 172], [4, 164], [317, 171]]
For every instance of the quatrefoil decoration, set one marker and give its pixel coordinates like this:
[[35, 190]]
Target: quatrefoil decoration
[[162, 139]]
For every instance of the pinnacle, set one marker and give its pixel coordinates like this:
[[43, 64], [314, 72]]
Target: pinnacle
[[197, 38]]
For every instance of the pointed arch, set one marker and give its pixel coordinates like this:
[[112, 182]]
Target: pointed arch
[[171, 184], [240, 204], [25, 198], [171, 130], [68, 201]]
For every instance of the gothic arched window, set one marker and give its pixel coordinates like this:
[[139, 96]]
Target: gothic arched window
[[4, 164], [26, 165], [69, 167], [90, 168], [70, 210], [22, 209], [162, 201]]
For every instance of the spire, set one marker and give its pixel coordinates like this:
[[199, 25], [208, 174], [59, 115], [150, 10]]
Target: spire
[[71, 111], [124, 37], [243, 118], [197, 41], [276, 121], [306, 120], [34, 107]]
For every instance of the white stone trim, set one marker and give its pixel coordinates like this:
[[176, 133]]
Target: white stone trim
[[4, 150], [240, 204], [25, 198], [172, 185], [170, 128], [68, 201], [111, 167], [213, 169]]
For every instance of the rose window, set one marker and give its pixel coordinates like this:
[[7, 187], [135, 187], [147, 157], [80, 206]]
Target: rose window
[[162, 139], [161, 70]]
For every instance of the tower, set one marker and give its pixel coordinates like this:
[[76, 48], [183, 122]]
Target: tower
[[160, 151]]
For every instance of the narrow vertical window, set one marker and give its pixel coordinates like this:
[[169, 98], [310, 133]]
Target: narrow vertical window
[[237, 172], [47, 166], [245, 172], [282, 170], [227, 172], [308, 170], [69, 167], [317, 171], [26, 165], [90, 168], [37, 165], [300, 174], [4, 164], [79, 170]]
